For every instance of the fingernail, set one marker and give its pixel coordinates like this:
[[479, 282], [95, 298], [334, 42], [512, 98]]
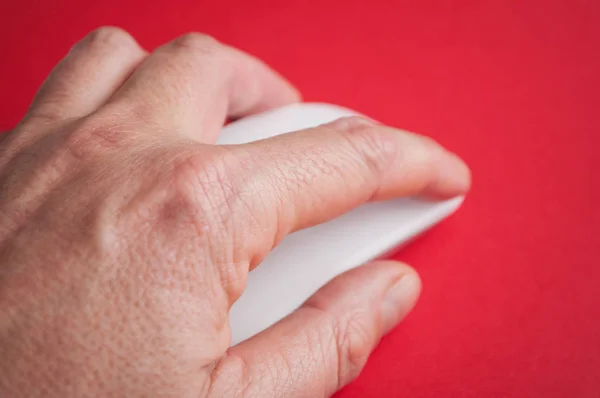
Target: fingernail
[[399, 300]]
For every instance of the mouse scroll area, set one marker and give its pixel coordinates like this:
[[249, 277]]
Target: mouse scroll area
[[306, 260]]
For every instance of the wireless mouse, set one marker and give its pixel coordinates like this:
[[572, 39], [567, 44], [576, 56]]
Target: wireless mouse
[[306, 260]]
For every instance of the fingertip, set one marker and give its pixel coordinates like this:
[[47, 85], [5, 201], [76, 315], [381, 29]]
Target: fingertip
[[401, 297], [457, 172], [280, 92], [293, 93], [453, 178]]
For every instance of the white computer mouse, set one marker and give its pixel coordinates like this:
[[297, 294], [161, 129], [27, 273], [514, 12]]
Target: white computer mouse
[[306, 260]]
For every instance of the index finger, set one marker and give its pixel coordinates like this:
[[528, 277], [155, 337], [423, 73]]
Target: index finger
[[304, 178]]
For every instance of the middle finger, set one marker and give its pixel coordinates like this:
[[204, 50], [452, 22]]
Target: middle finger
[[193, 83]]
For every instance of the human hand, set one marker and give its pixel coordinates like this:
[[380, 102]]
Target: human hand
[[126, 234]]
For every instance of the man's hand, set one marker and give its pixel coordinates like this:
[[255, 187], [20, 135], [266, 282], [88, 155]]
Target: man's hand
[[126, 234]]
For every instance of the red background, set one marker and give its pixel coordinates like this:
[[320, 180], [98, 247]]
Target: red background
[[511, 303]]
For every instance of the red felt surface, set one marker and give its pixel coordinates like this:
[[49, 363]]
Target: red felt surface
[[511, 303]]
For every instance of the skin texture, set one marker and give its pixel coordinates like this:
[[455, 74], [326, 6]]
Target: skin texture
[[126, 234]]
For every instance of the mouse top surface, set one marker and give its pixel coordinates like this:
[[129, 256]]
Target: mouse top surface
[[306, 260], [282, 120]]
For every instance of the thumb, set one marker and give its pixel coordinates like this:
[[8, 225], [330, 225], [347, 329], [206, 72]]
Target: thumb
[[324, 344]]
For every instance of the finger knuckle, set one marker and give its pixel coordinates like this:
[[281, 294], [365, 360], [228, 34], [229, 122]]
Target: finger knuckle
[[206, 50], [109, 36], [228, 210], [198, 42], [231, 377], [187, 181], [375, 148], [200, 185], [199, 195], [354, 343]]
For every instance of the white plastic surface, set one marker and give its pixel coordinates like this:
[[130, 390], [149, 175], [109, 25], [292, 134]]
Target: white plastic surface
[[306, 260]]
